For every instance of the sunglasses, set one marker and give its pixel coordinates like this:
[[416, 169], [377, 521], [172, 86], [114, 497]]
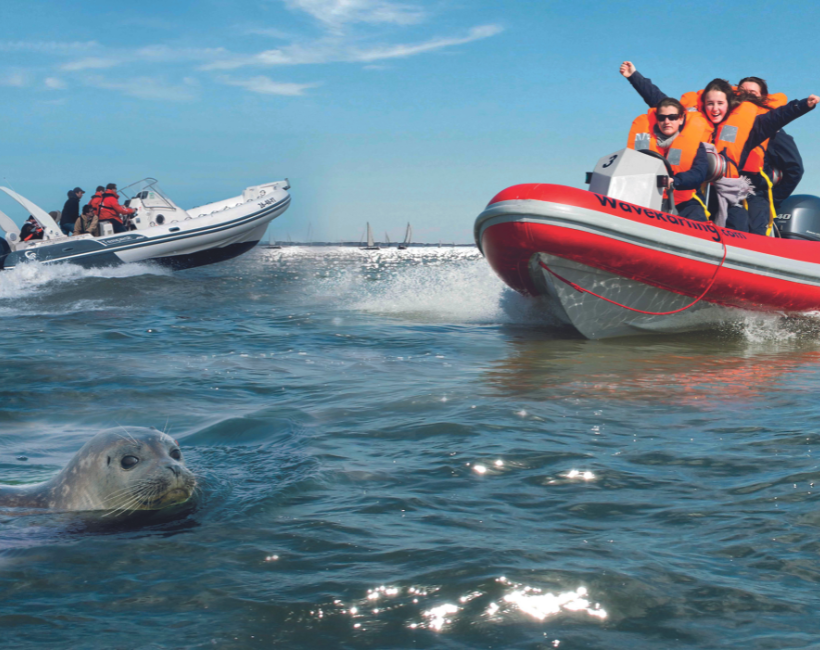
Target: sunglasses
[[671, 116]]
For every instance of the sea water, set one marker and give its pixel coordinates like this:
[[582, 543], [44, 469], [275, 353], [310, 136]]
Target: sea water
[[395, 450]]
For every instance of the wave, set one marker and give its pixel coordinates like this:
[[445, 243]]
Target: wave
[[33, 281], [428, 284]]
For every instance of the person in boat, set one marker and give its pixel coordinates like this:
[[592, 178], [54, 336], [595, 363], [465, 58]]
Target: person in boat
[[738, 129], [96, 199], [111, 211], [87, 223], [781, 154], [31, 230], [678, 137], [71, 210]]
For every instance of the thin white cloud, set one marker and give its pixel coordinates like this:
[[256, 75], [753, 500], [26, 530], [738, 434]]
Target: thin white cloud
[[165, 53], [402, 51], [334, 49], [269, 32], [336, 13], [266, 86], [91, 63], [148, 54], [149, 88], [53, 83], [14, 79], [46, 47]]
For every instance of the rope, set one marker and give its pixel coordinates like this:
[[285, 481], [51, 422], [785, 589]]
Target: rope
[[641, 311], [772, 213]]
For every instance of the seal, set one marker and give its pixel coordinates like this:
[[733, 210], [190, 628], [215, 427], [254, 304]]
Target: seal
[[119, 470]]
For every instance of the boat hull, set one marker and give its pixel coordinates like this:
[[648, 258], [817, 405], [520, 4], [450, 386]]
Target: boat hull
[[648, 260], [187, 243]]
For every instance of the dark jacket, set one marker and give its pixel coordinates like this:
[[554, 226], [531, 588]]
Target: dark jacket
[[765, 125], [693, 177], [71, 210], [782, 154]]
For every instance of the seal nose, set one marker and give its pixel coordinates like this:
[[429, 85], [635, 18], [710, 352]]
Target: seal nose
[[174, 469]]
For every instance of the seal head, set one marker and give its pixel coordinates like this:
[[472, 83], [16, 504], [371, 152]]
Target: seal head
[[118, 470]]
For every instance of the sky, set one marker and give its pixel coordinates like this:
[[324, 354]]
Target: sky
[[377, 111]]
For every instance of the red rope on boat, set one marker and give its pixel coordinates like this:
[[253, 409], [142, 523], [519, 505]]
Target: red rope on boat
[[641, 311]]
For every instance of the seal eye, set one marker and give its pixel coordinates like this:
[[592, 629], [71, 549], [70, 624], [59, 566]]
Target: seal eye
[[176, 454], [128, 462]]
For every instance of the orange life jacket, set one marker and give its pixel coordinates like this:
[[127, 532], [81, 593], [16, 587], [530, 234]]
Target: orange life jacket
[[731, 135], [110, 208], [754, 161], [95, 202], [681, 153], [693, 101]]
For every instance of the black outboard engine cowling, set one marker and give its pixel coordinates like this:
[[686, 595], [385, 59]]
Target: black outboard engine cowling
[[799, 217]]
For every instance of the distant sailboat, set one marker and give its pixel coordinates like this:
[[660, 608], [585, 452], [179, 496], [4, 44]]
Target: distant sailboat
[[371, 245], [407, 237], [272, 244], [387, 238]]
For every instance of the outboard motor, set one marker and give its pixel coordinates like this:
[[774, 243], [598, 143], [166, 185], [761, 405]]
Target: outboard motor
[[799, 217]]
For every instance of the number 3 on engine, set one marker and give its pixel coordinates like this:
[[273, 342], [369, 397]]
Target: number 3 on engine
[[611, 160]]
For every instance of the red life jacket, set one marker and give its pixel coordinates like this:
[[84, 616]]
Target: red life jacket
[[110, 208], [95, 202], [681, 152]]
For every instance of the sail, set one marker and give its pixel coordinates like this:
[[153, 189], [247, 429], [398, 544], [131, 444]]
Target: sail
[[408, 235], [370, 242]]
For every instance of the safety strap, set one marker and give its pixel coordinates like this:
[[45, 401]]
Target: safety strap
[[772, 213], [641, 311], [705, 209]]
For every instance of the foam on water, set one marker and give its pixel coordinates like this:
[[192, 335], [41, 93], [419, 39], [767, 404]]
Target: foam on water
[[26, 279], [34, 280], [446, 284]]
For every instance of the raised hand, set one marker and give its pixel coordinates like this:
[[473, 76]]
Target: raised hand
[[813, 100], [627, 68]]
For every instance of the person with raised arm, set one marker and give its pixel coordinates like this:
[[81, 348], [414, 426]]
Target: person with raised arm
[[738, 128], [779, 153]]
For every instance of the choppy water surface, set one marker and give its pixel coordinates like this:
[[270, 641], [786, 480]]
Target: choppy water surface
[[397, 451]]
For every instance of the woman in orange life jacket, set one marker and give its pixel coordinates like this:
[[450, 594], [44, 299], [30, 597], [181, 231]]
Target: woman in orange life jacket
[[666, 129], [780, 153], [738, 126]]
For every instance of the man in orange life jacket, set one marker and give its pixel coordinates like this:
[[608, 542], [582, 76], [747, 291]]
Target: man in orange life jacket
[[781, 154], [97, 199], [110, 209], [665, 130]]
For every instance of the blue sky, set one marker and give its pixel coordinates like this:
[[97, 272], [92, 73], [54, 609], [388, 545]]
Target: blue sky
[[377, 110]]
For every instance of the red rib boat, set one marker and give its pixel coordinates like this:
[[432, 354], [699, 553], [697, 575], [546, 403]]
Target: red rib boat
[[613, 268]]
